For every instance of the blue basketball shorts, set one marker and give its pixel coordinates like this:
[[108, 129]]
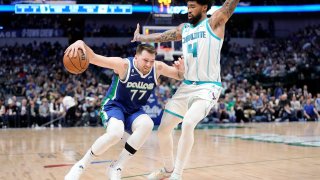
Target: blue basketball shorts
[[112, 110]]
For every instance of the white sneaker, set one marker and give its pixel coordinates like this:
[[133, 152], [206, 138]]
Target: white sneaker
[[159, 174], [114, 173], [75, 172], [175, 176]]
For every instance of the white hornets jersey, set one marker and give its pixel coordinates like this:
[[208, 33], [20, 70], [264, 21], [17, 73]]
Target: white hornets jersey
[[201, 51]]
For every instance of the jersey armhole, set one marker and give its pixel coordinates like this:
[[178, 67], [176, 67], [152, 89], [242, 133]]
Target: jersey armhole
[[211, 32], [128, 72], [155, 74], [183, 27]]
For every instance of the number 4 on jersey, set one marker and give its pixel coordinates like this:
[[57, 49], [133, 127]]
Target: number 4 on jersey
[[192, 48]]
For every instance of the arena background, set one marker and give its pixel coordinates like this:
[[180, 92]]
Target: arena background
[[270, 62]]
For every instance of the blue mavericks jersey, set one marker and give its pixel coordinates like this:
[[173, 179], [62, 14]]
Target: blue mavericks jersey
[[133, 92]]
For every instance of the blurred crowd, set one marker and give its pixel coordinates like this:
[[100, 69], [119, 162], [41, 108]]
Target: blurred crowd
[[34, 84], [175, 2], [217, 2], [265, 82], [262, 83]]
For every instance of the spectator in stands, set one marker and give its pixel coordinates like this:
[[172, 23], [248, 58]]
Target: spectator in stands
[[57, 111], [239, 112], [44, 111], [317, 103], [257, 104], [222, 110], [70, 107], [11, 113], [23, 120], [296, 107], [33, 114], [248, 109], [2, 113], [310, 113], [267, 111], [230, 102]]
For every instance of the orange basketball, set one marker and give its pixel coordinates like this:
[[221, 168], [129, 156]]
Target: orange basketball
[[76, 65]]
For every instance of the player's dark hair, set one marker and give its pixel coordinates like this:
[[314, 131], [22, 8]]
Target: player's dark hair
[[147, 47], [203, 2]]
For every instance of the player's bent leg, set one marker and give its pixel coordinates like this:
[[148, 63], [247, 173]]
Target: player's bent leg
[[142, 127], [114, 133], [168, 122], [194, 115]]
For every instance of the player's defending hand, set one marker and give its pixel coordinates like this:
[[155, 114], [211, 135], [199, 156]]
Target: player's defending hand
[[72, 50], [136, 34], [179, 64]]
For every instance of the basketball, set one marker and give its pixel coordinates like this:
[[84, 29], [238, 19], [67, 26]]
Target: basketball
[[76, 65]]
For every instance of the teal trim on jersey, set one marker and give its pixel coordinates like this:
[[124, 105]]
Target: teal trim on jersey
[[184, 26], [211, 32], [172, 113], [104, 101], [218, 56], [114, 89], [104, 117], [209, 56], [197, 57], [202, 82]]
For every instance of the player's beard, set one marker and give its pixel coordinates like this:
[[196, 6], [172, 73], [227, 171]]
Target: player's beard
[[195, 19]]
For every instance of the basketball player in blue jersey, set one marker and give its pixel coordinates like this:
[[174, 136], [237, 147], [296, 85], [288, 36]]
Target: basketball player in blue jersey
[[134, 80], [202, 39]]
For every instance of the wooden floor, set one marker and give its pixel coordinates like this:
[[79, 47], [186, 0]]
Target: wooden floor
[[284, 151]]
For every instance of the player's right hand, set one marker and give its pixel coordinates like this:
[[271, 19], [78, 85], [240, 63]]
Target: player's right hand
[[179, 64], [71, 51], [136, 34]]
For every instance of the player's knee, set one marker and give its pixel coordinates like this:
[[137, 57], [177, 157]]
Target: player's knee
[[144, 122], [116, 136], [164, 130], [188, 125], [148, 125]]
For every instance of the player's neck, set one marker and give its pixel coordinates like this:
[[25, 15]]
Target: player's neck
[[200, 20]]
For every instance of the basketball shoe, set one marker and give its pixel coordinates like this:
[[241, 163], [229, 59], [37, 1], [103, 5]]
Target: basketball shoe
[[175, 176], [159, 174], [75, 172], [114, 172]]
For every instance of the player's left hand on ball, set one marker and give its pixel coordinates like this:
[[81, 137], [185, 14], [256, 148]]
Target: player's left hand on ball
[[71, 51]]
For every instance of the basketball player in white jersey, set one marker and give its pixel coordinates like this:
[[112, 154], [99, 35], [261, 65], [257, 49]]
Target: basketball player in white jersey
[[133, 81], [202, 40]]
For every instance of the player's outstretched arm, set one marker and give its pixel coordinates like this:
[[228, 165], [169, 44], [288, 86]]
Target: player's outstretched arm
[[169, 35], [175, 71], [118, 64], [220, 17]]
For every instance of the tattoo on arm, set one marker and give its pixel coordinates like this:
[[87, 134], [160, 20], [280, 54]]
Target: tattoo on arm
[[166, 36], [170, 35], [229, 6]]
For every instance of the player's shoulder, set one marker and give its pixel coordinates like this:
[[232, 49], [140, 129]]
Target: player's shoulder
[[184, 25], [127, 60]]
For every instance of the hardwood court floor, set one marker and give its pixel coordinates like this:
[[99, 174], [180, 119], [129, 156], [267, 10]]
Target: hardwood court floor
[[239, 151]]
